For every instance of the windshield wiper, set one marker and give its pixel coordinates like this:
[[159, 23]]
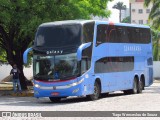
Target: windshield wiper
[[68, 77]]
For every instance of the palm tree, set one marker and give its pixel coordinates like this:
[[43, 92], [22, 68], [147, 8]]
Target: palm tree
[[155, 12], [120, 7]]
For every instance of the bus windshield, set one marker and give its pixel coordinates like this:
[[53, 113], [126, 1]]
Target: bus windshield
[[58, 36], [59, 67]]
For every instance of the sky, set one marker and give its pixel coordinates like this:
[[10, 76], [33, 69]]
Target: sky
[[115, 13]]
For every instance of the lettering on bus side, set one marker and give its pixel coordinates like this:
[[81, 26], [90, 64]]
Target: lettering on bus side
[[128, 48]]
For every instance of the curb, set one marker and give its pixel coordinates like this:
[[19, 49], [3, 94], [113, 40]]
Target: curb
[[6, 89], [23, 94]]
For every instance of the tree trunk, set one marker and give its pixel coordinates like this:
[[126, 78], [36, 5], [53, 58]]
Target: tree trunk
[[120, 16], [22, 77], [18, 60]]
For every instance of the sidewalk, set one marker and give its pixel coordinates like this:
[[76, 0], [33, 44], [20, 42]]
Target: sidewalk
[[6, 89]]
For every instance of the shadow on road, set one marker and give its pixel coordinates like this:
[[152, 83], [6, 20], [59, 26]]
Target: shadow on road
[[31, 101]]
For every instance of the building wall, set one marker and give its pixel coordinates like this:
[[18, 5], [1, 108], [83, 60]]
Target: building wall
[[5, 71], [139, 13], [156, 69], [125, 13]]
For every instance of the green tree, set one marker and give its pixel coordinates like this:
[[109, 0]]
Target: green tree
[[154, 15], [155, 38], [20, 18], [126, 20], [119, 6], [2, 56]]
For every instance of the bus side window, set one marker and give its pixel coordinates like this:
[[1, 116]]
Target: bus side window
[[88, 31], [101, 34], [112, 36], [83, 66], [122, 34]]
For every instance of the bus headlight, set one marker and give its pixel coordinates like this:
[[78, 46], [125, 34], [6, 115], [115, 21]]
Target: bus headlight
[[37, 86]]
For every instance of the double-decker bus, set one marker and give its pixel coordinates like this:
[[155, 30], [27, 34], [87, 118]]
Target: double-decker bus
[[90, 58]]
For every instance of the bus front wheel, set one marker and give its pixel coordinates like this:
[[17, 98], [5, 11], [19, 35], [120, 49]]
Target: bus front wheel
[[96, 93]]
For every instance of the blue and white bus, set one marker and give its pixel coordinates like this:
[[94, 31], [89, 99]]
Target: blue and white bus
[[90, 58]]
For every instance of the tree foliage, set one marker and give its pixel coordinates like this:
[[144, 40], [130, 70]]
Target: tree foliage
[[156, 40], [126, 20], [20, 18], [119, 6], [154, 15]]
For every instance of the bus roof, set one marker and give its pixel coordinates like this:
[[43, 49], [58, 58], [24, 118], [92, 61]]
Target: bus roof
[[65, 22], [122, 24]]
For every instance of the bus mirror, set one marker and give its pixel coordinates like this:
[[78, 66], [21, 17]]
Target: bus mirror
[[25, 55], [81, 48]]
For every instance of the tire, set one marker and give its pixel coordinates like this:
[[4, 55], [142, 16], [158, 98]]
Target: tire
[[140, 87], [96, 93], [135, 86], [55, 99], [143, 85]]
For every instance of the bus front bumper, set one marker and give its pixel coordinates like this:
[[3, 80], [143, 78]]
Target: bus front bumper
[[73, 89]]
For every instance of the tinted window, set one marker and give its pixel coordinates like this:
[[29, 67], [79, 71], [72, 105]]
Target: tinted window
[[105, 33], [87, 54], [57, 36], [88, 31], [139, 35], [114, 64], [122, 34]]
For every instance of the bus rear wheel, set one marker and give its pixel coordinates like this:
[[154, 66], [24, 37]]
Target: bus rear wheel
[[55, 99], [135, 86], [96, 93], [140, 87]]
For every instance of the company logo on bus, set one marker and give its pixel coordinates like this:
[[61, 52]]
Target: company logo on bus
[[136, 48], [54, 52]]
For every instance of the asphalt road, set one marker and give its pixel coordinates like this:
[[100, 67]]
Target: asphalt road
[[149, 100]]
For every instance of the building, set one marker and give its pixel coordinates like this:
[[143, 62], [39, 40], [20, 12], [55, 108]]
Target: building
[[139, 13], [125, 13]]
